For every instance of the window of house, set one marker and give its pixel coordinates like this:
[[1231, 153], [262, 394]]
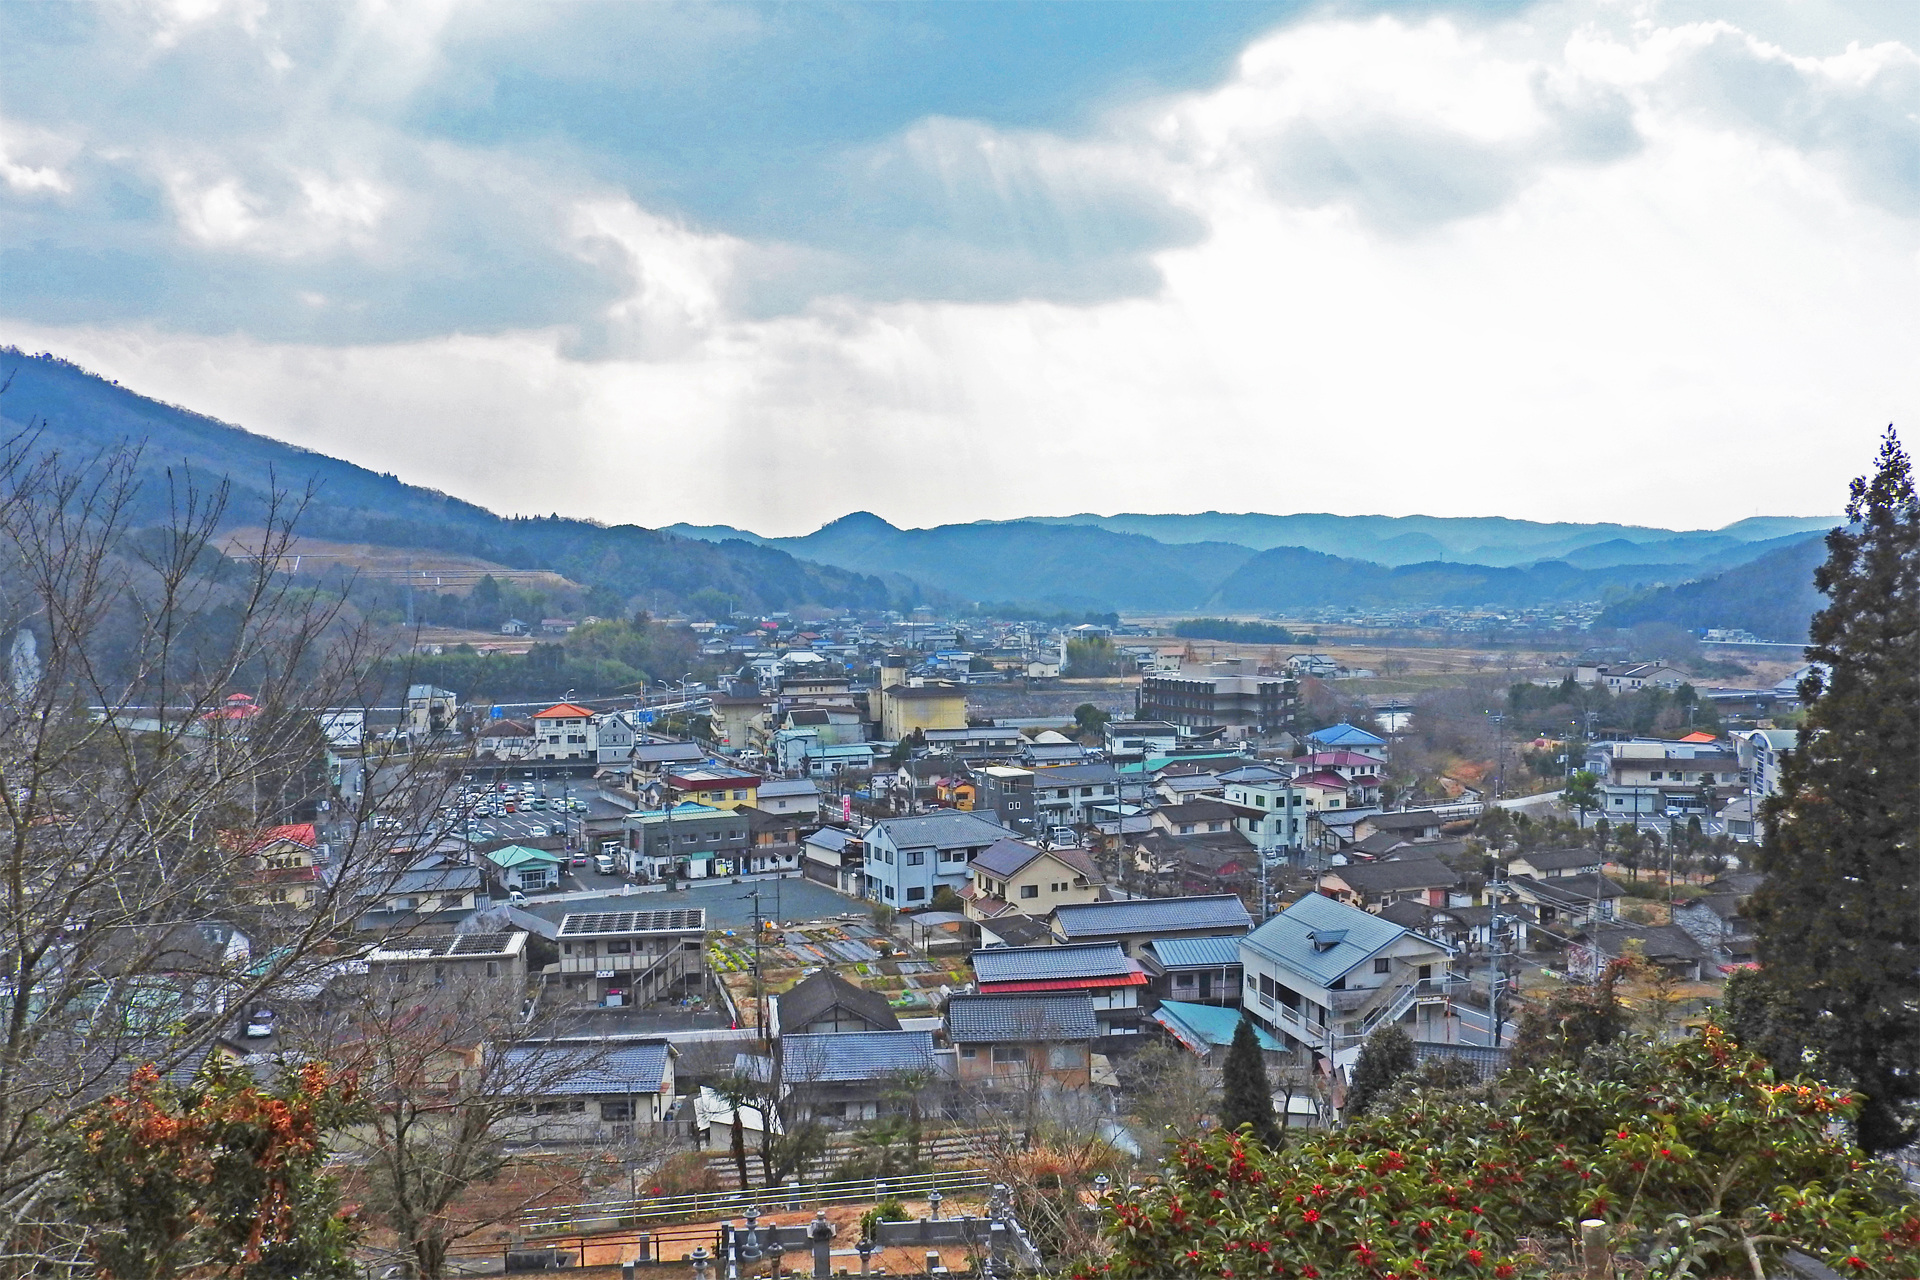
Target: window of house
[[953, 855], [1029, 890], [1009, 1053], [968, 1051], [1383, 965], [619, 946], [916, 894], [916, 858], [888, 890], [1183, 980], [621, 1110]]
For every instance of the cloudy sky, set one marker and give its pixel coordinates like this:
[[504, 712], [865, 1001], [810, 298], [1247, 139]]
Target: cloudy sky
[[1645, 260]]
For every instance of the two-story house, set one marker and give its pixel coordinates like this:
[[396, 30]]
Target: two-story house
[[1101, 970], [824, 1001], [451, 958], [798, 798], [908, 858], [1346, 737], [1013, 876], [431, 711], [283, 866], [432, 890], [717, 785], [564, 731], [1194, 970], [633, 957], [1322, 976], [1372, 885], [1019, 1041], [688, 841], [505, 739], [1065, 795], [773, 841], [1567, 902], [835, 857], [1138, 921], [614, 739]]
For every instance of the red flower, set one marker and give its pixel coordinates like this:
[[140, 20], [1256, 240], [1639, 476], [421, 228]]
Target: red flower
[[1476, 1257], [1504, 1271], [1313, 1215], [1857, 1263]]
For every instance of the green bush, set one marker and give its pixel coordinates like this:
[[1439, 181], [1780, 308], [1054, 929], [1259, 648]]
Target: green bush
[[1699, 1161]]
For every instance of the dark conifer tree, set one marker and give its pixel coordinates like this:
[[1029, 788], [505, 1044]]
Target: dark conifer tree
[[1838, 920], [1385, 1057], [1245, 1098]]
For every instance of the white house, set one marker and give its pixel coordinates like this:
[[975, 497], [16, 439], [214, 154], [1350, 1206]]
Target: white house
[[1322, 976]]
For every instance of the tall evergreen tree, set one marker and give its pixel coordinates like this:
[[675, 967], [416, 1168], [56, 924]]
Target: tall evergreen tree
[[1838, 920], [1245, 1098], [1385, 1057]]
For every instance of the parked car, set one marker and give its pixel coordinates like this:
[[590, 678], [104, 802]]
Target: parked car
[[603, 863]]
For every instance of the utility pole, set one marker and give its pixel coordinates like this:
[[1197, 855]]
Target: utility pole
[[1496, 953]]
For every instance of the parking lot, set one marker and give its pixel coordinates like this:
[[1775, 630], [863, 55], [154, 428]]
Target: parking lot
[[727, 902]]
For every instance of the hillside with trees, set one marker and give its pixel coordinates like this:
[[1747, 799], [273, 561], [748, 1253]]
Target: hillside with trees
[[83, 415]]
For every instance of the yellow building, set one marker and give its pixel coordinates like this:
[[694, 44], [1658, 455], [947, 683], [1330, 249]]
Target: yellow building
[[1012, 877], [904, 708], [715, 785]]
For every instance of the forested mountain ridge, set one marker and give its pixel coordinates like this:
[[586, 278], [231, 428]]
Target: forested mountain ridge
[[82, 414]]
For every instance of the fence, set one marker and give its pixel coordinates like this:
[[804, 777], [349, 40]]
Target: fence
[[618, 1214]]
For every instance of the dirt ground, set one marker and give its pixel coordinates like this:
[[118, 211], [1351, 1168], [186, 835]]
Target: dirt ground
[[445, 571], [677, 1243]]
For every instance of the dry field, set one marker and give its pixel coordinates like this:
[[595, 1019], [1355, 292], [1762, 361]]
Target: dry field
[[445, 571]]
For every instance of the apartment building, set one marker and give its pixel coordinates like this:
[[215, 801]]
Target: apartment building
[[633, 957], [1230, 694]]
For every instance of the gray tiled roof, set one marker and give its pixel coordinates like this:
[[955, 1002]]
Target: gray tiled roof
[[988, 1019], [1409, 873], [1004, 857], [1181, 953], [1561, 859], [548, 1069], [1289, 937], [831, 1057], [814, 995], [1222, 911], [1038, 964], [950, 829]]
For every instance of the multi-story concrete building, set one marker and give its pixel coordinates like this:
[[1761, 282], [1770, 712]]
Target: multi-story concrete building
[[1651, 778], [564, 731], [1230, 694]]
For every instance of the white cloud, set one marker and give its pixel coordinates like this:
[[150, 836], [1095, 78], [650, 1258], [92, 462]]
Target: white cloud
[[1580, 267]]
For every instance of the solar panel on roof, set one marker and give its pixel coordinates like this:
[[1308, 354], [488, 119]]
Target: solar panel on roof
[[468, 944], [633, 921]]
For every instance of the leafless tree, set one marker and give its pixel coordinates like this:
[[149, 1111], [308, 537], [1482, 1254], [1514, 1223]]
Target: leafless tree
[[455, 1077], [134, 789]]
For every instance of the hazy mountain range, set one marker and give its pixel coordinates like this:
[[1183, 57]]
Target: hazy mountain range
[[1168, 563]]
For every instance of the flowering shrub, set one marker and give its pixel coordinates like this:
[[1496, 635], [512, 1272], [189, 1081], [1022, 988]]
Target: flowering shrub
[[216, 1178], [1701, 1162]]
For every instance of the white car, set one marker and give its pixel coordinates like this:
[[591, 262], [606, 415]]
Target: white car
[[603, 863]]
